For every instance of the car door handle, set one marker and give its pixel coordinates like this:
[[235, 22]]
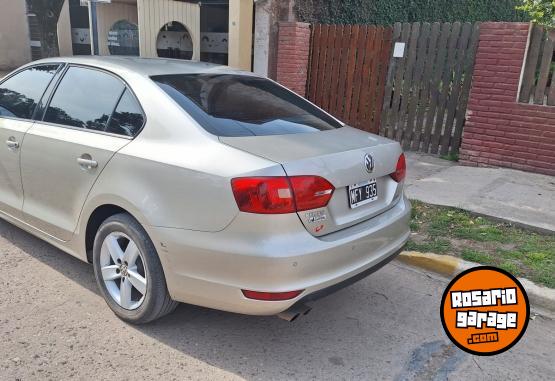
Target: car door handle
[[87, 163], [13, 144]]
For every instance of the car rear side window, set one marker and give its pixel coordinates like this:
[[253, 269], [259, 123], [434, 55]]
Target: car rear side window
[[20, 94], [128, 118], [242, 105], [85, 98]]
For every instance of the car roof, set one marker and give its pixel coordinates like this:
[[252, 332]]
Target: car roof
[[145, 66]]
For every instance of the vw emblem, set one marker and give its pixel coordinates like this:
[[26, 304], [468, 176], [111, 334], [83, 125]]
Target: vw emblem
[[369, 163]]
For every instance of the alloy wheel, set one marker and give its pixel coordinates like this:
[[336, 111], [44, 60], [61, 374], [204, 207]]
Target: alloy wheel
[[123, 270]]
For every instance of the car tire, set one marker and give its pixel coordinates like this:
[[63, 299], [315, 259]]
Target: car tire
[[112, 248]]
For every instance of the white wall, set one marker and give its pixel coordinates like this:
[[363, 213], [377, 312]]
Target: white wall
[[154, 14], [14, 35]]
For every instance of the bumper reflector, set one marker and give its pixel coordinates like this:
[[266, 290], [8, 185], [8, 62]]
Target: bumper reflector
[[271, 296]]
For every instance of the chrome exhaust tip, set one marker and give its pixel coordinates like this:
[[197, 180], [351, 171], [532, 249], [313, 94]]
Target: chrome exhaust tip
[[294, 312]]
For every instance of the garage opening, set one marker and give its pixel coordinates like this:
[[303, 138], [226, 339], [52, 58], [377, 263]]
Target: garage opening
[[174, 41]]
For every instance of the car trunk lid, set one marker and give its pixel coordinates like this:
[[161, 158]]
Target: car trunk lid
[[339, 157]]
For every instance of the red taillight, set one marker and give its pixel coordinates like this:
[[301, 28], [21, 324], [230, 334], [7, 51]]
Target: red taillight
[[271, 296], [281, 195], [263, 195], [311, 192], [401, 169]]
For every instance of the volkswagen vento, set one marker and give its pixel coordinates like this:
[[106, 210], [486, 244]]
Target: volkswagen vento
[[190, 182]]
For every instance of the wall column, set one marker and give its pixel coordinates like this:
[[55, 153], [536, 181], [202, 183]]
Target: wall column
[[262, 30], [65, 44], [293, 55], [14, 38], [500, 131], [240, 34]]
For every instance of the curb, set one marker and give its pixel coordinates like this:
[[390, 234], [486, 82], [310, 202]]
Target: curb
[[449, 266]]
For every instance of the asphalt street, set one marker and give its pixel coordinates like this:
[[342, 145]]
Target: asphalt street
[[55, 325]]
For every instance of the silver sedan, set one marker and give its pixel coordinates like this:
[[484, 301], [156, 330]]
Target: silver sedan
[[190, 182]]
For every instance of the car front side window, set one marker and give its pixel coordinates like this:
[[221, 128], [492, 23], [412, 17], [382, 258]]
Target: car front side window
[[20, 94]]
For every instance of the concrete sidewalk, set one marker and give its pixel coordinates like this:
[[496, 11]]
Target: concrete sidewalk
[[520, 197]]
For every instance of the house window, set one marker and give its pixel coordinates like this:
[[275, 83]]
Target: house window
[[123, 39]]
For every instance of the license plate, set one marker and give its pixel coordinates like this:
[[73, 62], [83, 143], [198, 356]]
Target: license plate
[[363, 193]]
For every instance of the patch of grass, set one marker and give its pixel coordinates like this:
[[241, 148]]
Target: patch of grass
[[511, 267], [508, 254], [450, 157], [453, 231], [482, 233], [414, 226], [463, 225], [438, 246], [537, 258], [546, 279], [476, 256]]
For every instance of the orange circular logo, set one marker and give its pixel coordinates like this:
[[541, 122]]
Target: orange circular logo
[[485, 311]]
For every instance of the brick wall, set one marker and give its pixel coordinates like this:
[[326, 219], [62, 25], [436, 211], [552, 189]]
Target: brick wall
[[292, 58], [499, 131]]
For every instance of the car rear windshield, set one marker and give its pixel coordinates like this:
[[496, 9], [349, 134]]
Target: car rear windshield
[[241, 105]]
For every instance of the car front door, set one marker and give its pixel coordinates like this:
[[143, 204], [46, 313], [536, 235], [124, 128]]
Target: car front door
[[65, 152], [19, 96]]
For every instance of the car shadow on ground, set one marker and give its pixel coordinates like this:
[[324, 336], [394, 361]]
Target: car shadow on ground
[[338, 339], [69, 266]]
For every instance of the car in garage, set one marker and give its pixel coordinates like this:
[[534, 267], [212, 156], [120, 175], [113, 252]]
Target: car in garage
[[190, 182]]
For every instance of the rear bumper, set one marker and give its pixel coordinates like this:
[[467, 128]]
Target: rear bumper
[[210, 269], [350, 281]]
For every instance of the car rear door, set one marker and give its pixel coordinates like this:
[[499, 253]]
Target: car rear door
[[19, 96], [65, 152]]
